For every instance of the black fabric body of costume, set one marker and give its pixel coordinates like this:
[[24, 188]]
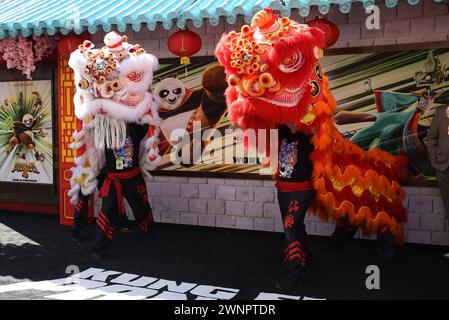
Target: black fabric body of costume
[[136, 133], [300, 147], [133, 189]]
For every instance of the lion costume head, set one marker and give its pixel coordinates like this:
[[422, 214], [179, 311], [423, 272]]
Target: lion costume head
[[273, 72]]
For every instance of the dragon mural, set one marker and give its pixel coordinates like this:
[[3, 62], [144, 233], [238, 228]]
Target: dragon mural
[[396, 127]]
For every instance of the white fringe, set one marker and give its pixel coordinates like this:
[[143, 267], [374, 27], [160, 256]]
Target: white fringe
[[109, 133]]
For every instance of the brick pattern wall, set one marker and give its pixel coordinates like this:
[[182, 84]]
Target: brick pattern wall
[[252, 204]]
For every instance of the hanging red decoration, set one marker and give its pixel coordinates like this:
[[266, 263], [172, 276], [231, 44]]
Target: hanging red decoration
[[184, 43], [70, 43], [329, 28]]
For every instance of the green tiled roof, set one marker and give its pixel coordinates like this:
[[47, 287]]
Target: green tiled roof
[[28, 17]]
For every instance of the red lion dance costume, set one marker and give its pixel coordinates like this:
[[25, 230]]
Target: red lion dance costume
[[117, 129], [275, 80]]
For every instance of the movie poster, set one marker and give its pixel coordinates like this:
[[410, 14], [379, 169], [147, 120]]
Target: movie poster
[[385, 100], [26, 141]]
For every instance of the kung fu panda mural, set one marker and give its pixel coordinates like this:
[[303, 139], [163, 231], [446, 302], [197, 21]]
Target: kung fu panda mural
[[196, 106], [385, 100]]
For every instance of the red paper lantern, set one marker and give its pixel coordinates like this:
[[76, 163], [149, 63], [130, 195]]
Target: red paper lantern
[[184, 43], [70, 43], [329, 28]]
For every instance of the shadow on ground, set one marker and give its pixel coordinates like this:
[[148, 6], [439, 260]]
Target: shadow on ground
[[246, 260]]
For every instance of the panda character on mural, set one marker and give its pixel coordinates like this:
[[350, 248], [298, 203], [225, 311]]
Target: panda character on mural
[[23, 131], [181, 107]]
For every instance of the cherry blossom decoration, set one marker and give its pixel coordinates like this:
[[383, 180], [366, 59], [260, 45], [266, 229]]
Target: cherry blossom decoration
[[22, 53]]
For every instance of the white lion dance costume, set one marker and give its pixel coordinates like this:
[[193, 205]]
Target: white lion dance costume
[[117, 129]]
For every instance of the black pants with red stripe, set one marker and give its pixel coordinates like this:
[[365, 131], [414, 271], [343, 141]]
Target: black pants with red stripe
[[80, 213], [135, 192], [293, 207]]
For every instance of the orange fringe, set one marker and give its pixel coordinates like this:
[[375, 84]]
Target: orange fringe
[[329, 147]]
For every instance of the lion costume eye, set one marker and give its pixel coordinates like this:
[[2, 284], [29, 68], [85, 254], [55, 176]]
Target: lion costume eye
[[292, 63], [83, 84]]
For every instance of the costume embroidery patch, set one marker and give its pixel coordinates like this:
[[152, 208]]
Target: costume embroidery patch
[[289, 221], [288, 158], [124, 155]]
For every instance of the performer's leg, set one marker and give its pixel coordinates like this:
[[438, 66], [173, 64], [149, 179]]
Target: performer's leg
[[135, 191], [443, 183], [126, 225], [80, 216], [106, 221], [386, 245], [293, 207], [343, 233]]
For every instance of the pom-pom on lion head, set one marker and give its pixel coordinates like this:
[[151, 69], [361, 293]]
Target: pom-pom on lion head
[[112, 80], [269, 67]]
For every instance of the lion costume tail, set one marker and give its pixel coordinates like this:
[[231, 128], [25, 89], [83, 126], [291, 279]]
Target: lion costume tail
[[354, 186]]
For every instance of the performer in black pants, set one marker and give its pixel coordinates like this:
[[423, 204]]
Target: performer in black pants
[[294, 207], [117, 129], [80, 216], [295, 193], [123, 179]]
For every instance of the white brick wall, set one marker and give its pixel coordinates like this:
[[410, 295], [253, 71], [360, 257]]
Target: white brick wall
[[425, 218], [254, 209], [252, 204], [226, 192], [263, 194], [198, 205]]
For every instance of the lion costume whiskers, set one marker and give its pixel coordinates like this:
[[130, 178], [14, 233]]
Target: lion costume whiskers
[[274, 76]]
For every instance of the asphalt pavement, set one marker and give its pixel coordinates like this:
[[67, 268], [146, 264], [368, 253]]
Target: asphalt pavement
[[37, 256]]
